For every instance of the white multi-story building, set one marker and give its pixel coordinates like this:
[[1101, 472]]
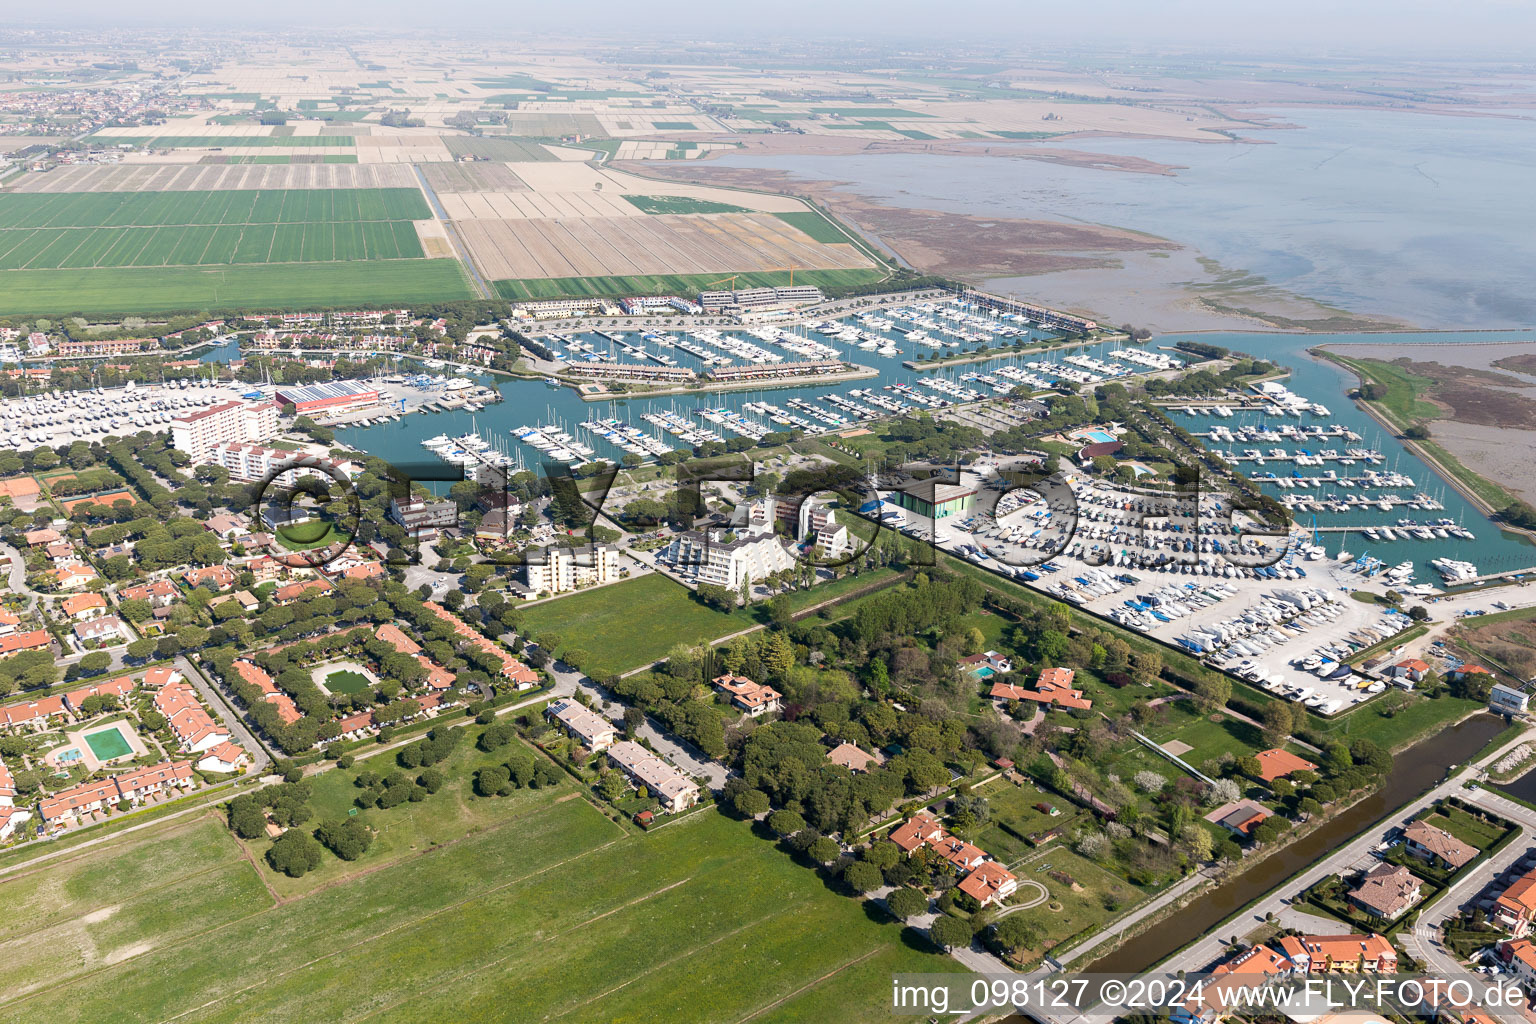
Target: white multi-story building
[[239, 422], [558, 569], [253, 462], [708, 557]]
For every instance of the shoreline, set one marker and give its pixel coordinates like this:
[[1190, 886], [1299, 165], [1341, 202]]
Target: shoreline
[[861, 373], [1382, 417]]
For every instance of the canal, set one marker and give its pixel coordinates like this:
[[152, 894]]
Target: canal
[[1414, 771]]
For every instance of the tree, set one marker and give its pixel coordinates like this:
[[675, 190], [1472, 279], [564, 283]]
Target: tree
[[1278, 722], [294, 853], [749, 803], [1015, 932], [95, 663], [245, 817], [612, 786], [948, 932], [785, 823], [863, 877], [883, 854], [1222, 791], [824, 850], [492, 780], [906, 902], [1200, 843], [348, 839], [634, 718]]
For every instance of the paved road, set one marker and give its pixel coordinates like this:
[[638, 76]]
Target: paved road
[[17, 571], [225, 709]]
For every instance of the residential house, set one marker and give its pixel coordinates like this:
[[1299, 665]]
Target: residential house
[[254, 675], [916, 832], [1515, 908], [355, 727], [226, 527], [7, 787], [84, 606], [594, 731], [220, 577], [226, 757], [33, 640], [120, 688], [1276, 764], [1437, 846], [32, 712], [159, 593], [1520, 954], [194, 728], [9, 620], [67, 577], [293, 591], [851, 757], [1054, 687], [266, 569], [161, 675], [986, 664], [1243, 819], [106, 629], [1323, 954], [675, 790], [756, 699], [989, 883], [1386, 891], [134, 786], [44, 536], [512, 670]]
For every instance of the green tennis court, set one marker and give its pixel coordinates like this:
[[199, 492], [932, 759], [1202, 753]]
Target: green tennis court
[[108, 744]]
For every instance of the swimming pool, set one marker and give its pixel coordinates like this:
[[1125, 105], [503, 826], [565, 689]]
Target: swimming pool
[[69, 756], [984, 671], [1098, 436]]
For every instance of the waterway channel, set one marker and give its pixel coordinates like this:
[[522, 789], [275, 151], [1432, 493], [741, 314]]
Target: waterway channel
[[1414, 771]]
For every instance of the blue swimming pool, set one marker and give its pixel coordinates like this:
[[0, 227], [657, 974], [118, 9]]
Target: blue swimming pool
[[985, 670], [1098, 436], [69, 756]]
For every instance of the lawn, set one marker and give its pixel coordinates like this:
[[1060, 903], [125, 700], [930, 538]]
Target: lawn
[[1014, 816], [631, 624], [1078, 891], [346, 681], [447, 816], [553, 915], [211, 289], [678, 284]]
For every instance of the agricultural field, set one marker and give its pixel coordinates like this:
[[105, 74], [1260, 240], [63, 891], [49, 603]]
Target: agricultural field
[[79, 230], [630, 624], [220, 177], [289, 285], [681, 204], [551, 913]]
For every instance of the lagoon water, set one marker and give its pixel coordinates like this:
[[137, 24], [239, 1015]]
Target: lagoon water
[[1420, 217]]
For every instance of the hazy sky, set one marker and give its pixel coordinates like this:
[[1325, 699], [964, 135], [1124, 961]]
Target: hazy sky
[[1429, 27]]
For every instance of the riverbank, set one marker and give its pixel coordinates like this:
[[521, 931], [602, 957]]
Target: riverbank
[[1488, 497]]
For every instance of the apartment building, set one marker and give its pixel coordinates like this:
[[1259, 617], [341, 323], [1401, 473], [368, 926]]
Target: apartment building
[[556, 570], [199, 432]]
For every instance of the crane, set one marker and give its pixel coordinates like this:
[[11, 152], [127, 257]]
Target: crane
[[731, 279]]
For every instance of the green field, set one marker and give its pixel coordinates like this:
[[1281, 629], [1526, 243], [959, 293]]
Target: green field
[[284, 158], [552, 913], [630, 624], [680, 284], [815, 225], [290, 286], [79, 230], [680, 204], [225, 141], [347, 681]]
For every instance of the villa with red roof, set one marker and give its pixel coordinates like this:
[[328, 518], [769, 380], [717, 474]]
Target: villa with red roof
[[34, 640], [84, 606], [986, 881], [34, 712], [221, 576], [119, 687], [1054, 687], [756, 699]]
